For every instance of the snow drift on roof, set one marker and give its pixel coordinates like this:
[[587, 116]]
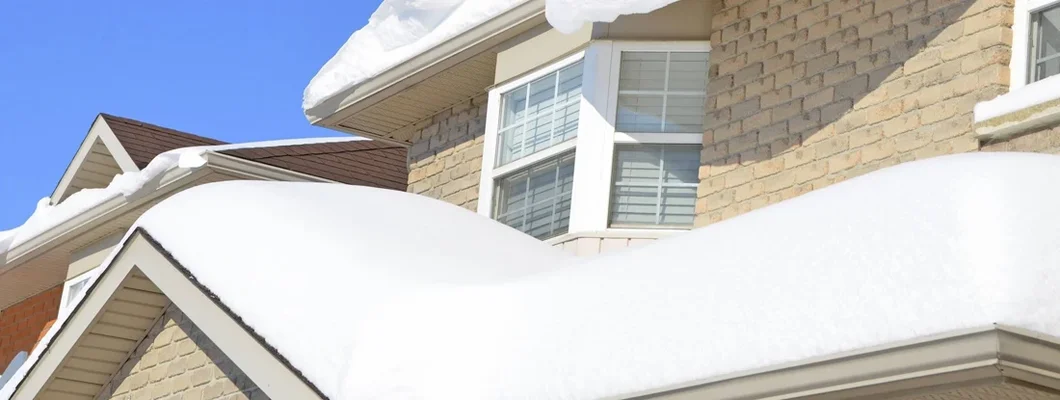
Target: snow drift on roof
[[436, 302], [47, 216], [402, 29]]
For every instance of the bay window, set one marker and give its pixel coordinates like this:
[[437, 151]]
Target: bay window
[[608, 138], [1035, 41]]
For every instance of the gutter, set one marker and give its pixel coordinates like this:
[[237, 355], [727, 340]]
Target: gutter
[[991, 354], [424, 65], [118, 206]]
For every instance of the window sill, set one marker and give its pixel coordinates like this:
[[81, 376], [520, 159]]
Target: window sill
[[616, 234], [1024, 109]]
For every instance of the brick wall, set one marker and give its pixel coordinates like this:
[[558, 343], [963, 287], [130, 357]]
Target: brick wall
[[807, 93], [176, 360], [445, 160], [22, 324]]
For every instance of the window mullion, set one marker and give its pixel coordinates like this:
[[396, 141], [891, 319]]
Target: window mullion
[[555, 104], [526, 198], [526, 120], [666, 88], [555, 200], [659, 188]]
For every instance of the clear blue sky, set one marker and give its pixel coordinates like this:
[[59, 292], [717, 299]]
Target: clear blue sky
[[231, 70]]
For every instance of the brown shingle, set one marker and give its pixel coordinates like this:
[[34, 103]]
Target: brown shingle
[[363, 162]]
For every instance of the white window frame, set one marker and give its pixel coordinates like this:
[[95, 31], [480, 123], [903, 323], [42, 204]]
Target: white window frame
[[597, 137], [1020, 63], [64, 302]]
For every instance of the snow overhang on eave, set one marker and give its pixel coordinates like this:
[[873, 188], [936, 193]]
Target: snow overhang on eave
[[387, 106], [991, 355], [26, 270]]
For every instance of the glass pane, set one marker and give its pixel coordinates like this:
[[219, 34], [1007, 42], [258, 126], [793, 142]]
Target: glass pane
[[678, 206], [639, 113], [1048, 43], [655, 185], [642, 71], [540, 115], [685, 114], [537, 199], [514, 107], [688, 72]]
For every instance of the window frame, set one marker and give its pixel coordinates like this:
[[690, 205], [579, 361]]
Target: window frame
[[64, 302], [491, 142], [595, 144], [1022, 60]]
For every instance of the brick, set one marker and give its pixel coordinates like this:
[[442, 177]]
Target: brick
[[733, 64], [729, 98], [856, 15], [923, 60], [908, 12], [844, 161], [747, 74], [878, 150], [773, 132], [764, 19], [889, 38], [873, 61], [819, 98], [823, 63], [780, 29], [777, 62], [792, 41], [778, 181], [772, 98], [807, 86], [748, 190], [854, 51], [798, 156], [832, 146], [842, 38], [787, 110], [912, 140], [866, 135], [874, 25], [758, 86], [809, 172], [822, 29], [743, 142], [757, 120], [839, 74], [807, 120]]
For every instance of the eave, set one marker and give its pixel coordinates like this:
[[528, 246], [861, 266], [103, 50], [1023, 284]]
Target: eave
[[992, 355], [350, 111], [41, 262]]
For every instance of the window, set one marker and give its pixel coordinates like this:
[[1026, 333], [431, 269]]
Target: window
[[1045, 43], [72, 289], [1035, 42], [608, 138]]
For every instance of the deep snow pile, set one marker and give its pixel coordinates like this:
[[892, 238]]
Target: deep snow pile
[[305, 264], [440, 303], [47, 215], [402, 29]]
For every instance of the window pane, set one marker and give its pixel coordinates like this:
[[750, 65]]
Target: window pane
[[536, 200], [540, 115], [655, 185], [1047, 46], [662, 92], [642, 71]]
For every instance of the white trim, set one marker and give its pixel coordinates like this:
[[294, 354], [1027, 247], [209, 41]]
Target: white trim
[[658, 138], [618, 233], [258, 363], [532, 159], [98, 131], [490, 170]]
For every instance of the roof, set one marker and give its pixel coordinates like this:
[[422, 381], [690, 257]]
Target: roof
[[144, 141], [942, 268], [368, 163]]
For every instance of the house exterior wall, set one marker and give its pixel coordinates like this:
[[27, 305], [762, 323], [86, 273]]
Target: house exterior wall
[[23, 324], [804, 94], [445, 160], [1046, 140], [177, 360]]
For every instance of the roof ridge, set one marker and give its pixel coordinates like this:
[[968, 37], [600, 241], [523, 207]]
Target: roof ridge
[[163, 129]]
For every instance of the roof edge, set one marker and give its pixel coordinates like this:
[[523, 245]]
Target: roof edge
[[954, 358], [99, 130], [424, 65]]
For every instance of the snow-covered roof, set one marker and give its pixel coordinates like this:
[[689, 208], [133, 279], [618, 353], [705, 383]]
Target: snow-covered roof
[[402, 29], [437, 302], [48, 215]]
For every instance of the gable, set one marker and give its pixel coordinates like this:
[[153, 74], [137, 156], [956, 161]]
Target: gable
[[99, 158], [99, 346], [177, 359]]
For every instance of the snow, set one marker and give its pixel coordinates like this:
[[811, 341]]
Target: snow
[[1025, 97], [397, 31], [402, 29], [408, 297], [568, 16], [47, 216]]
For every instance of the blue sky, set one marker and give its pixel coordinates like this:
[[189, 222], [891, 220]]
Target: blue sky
[[231, 70]]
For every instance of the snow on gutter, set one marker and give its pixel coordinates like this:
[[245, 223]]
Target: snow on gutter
[[49, 222], [403, 38]]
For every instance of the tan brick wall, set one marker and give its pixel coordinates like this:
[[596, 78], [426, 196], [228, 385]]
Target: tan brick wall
[[806, 93], [24, 323], [177, 361], [445, 160]]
